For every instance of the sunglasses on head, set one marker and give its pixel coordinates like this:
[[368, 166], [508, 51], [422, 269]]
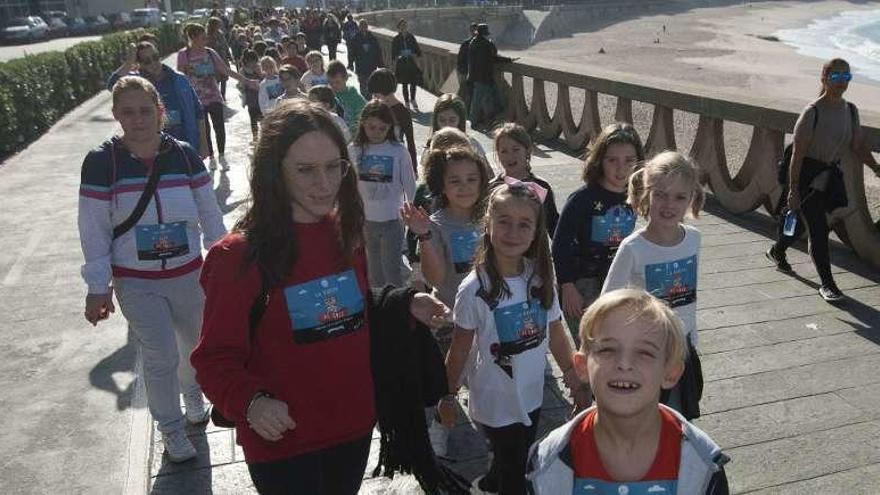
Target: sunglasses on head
[[838, 76]]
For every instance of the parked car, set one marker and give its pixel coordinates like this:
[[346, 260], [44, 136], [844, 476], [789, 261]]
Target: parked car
[[77, 26], [179, 17], [98, 24], [120, 21], [57, 27], [24, 29], [146, 17], [201, 14]]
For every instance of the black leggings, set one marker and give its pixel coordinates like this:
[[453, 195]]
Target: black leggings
[[812, 218], [510, 449], [412, 92], [215, 112], [256, 116], [336, 470], [331, 50]]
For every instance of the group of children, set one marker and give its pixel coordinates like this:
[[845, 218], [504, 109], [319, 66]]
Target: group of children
[[495, 250]]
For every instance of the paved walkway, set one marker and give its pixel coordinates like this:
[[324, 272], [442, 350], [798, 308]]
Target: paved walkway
[[792, 390]]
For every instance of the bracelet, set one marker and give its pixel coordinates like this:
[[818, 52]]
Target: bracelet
[[257, 396]]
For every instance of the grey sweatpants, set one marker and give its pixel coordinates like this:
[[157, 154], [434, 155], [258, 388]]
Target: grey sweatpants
[[166, 317]]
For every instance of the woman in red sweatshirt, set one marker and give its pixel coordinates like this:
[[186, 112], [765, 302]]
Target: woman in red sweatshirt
[[299, 387]]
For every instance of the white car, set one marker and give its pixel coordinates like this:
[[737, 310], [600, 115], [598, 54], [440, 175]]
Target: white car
[[146, 17], [24, 29]]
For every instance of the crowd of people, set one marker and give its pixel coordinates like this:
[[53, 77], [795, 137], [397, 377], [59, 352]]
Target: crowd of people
[[371, 277]]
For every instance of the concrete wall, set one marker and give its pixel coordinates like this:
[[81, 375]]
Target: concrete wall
[[451, 24]]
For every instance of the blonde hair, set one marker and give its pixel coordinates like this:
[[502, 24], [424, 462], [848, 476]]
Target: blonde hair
[[639, 305], [445, 138], [132, 83], [268, 60], [314, 54], [667, 165]]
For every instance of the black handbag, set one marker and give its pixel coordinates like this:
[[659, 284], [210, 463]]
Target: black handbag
[[256, 314]]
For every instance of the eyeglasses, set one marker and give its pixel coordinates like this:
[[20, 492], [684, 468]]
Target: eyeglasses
[[335, 169], [837, 77]]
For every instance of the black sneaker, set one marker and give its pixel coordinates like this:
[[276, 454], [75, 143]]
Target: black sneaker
[[778, 260], [830, 293]]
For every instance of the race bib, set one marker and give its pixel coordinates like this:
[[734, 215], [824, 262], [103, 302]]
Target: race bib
[[599, 487], [674, 282], [203, 69], [406, 52], [325, 308], [520, 327], [161, 241], [320, 81], [464, 243], [172, 119], [274, 90], [376, 168], [612, 227]]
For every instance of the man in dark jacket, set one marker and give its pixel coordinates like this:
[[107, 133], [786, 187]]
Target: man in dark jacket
[[482, 57], [367, 56], [461, 66]]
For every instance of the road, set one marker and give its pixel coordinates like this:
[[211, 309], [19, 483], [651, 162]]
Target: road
[[9, 52]]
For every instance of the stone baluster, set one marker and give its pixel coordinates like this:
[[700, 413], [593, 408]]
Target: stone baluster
[[853, 224], [547, 128], [577, 136], [516, 108], [662, 134], [624, 111]]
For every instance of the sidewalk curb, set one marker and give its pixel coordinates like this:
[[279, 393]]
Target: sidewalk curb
[[140, 437]]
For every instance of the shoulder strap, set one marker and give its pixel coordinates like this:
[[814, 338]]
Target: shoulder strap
[[258, 308], [143, 201]]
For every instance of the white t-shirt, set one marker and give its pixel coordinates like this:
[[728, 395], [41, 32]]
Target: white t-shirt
[[385, 179], [270, 90], [667, 272], [310, 79], [505, 386]]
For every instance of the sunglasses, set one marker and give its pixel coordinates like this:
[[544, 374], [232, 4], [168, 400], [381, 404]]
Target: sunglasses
[[837, 77]]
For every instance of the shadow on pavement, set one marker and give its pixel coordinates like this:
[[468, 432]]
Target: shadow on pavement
[[122, 360]]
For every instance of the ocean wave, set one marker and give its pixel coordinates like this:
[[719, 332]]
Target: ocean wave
[[853, 35]]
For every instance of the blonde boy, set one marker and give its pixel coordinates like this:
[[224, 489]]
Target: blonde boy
[[633, 346]]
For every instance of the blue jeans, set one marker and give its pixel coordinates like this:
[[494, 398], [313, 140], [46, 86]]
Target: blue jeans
[[384, 251]]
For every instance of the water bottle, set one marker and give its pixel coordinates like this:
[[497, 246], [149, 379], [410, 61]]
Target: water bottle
[[790, 223]]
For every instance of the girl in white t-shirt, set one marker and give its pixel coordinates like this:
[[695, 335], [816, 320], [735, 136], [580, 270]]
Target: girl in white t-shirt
[[662, 257], [507, 310], [385, 180], [315, 75]]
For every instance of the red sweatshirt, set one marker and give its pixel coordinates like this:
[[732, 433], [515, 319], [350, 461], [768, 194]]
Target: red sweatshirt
[[311, 349]]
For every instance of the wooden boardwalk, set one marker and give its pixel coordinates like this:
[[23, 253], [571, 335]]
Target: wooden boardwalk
[[792, 383]]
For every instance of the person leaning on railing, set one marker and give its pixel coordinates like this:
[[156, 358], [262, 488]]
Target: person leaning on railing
[[825, 131]]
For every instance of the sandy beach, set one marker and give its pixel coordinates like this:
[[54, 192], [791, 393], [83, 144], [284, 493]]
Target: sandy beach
[[728, 48]]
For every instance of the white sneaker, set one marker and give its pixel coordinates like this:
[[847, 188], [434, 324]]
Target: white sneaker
[[196, 412], [439, 436], [177, 446]]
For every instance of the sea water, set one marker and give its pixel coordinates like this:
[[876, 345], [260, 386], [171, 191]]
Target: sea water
[[854, 36]]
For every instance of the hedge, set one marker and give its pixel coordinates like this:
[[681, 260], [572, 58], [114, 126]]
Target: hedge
[[37, 90]]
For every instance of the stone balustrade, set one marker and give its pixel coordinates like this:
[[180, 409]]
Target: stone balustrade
[[754, 185]]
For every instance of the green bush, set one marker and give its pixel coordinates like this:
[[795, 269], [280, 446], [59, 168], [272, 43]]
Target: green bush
[[37, 90]]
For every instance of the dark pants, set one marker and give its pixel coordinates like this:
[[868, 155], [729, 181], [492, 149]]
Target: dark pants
[[411, 95], [215, 112], [336, 470], [256, 116], [223, 88], [812, 218], [331, 50], [510, 449], [362, 82]]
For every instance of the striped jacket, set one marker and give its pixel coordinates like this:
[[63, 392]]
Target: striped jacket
[[112, 183]]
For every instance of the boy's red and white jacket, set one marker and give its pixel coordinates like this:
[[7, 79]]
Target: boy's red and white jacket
[[113, 181]]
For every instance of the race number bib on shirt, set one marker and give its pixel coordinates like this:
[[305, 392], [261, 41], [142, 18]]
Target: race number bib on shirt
[[612, 227], [376, 168], [325, 307], [320, 81], [599, 487], [203, 68], [161, 241], [674, 282], [172, 119], [405, 52], [463, 244], [274, 90], [520, 327]]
